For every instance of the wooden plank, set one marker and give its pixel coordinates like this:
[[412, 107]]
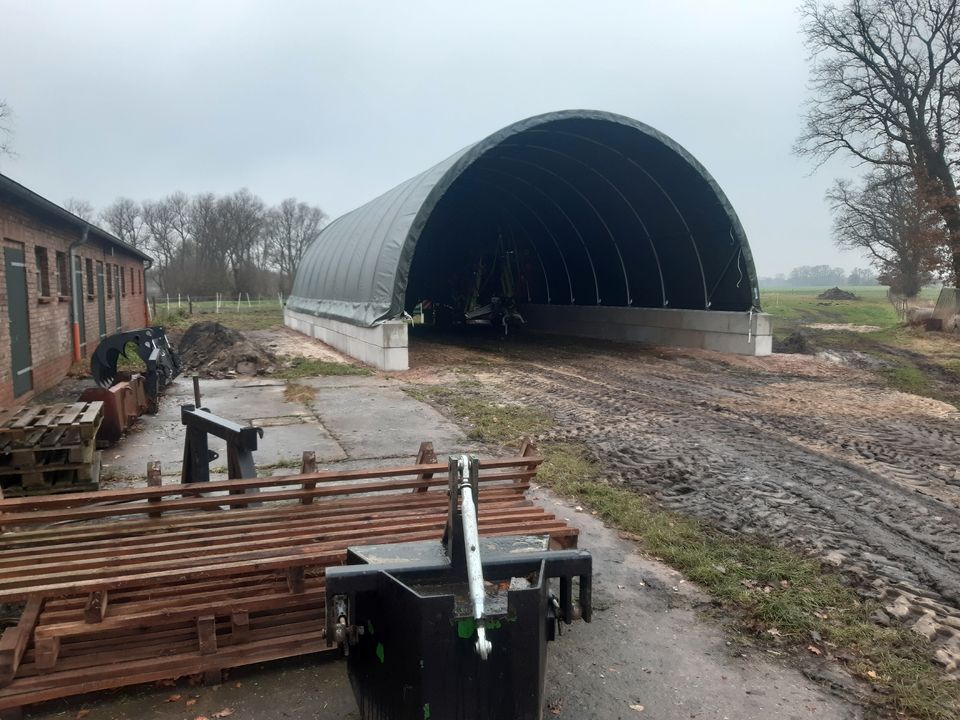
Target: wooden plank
[[277, 559], [207, 634], [46, 652], [119, 531], [106, 566], [25, 418], [425, 456], [91, 412], [196, 503], [70, 413], [295, 579], [308, 465], [304, 532], [133, 531], [154, 479], [156, 669], [130, 494], [96, 607], [15, 639], [240, 624]]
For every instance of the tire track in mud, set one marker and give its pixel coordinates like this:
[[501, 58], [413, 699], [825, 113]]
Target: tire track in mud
[[868, 480]]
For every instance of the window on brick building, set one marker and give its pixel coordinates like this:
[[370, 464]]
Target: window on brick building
[[43, 272], [109, 281], [123, 282], [63, 275], [133, 290], [89, 279]]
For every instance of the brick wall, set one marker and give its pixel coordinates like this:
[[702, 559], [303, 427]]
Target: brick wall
[[49, 297]]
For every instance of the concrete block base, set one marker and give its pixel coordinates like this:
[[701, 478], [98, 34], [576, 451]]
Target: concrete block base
[[738, 333], [384, 345]]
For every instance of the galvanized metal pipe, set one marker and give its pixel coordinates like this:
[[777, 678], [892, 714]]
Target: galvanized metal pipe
[[471, 541]]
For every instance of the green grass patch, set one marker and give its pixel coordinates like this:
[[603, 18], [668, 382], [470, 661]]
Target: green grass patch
[[952, 367], [300, 367], [792, 306], [257, 317], [500, 423], [130, 361], [781, 596], [907, 379]]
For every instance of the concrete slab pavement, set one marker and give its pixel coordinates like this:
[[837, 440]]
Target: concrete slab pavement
[[352, 418]]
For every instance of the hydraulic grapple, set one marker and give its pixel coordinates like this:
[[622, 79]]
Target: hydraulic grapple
[[153, 348]]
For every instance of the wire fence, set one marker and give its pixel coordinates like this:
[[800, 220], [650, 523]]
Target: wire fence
[[166, 306]]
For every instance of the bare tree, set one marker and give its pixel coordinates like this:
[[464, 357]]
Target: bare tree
[[886, 73], [290, 228], [6, 132], [888, 218], [81, 208], [159, 221], [179, 204], [241, 216], [124, 220]]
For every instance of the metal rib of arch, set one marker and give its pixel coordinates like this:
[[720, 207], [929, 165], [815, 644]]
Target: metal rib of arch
[[608, 210]]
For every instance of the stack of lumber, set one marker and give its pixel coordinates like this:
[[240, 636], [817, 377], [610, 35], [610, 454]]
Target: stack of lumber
[[144, 584], [49, 448]]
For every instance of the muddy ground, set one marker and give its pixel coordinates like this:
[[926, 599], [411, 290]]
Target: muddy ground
[[814, 455]]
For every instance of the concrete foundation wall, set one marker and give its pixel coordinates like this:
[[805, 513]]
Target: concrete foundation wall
[[384, 346], [730, 332]]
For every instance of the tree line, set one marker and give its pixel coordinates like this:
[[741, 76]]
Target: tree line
[[821, 275], [205, 244]]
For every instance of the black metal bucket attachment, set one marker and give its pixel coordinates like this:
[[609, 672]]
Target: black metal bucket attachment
[[152, 347], [404, 616]]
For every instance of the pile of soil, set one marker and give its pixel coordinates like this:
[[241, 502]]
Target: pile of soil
[[836, 293], [213, 350], [796, 342]]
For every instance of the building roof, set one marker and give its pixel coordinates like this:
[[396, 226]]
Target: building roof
[[29, 200], [613, 211]]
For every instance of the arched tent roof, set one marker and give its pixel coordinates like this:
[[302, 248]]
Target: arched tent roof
[[614, 212]]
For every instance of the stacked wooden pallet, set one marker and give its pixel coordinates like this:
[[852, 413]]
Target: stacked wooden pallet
[[137, 585], [50, 448]]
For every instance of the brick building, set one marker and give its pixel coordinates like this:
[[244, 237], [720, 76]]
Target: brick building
[[53, 262]]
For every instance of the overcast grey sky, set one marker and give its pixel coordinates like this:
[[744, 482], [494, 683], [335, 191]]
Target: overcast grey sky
[[335, 102]]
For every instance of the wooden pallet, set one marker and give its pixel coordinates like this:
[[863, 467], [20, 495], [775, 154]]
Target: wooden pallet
[[64, 425], [142, 584], [49, 448]]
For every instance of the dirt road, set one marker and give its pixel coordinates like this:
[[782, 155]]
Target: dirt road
[[812, 454]]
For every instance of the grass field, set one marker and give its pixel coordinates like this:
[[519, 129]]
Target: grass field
[[255, 315], [904, 358], [793, 306]]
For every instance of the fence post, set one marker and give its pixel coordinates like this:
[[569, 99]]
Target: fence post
[[168, 303], [248, 300], [239, 296], [190, 304]]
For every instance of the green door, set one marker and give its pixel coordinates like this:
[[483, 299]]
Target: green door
[[78, 299], [116, 294], [101, 301], [16, 273]]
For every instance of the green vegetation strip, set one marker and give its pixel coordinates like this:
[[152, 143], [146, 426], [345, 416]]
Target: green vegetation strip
[[783, 598], [301, 367]]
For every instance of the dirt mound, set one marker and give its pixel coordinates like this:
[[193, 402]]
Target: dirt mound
[[796, 342], [836, 293], [213, 350]]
